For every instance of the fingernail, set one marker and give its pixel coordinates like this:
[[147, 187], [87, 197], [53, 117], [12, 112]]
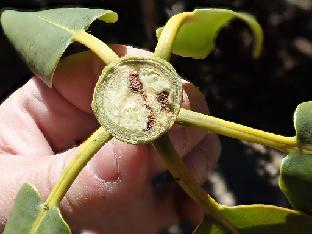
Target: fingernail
[[104, 165], [199, 160]]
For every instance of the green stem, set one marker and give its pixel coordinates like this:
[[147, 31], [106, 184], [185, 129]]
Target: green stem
[[97, 46], [230, 129], [77, 163], [185, 179], [168, 35], [90, 41]]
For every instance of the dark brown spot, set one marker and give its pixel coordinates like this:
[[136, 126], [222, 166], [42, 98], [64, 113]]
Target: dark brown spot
[[136, 86], [177, 179], [135, 83], [143, 95], [45, 207], [151, 119], [163, 99]]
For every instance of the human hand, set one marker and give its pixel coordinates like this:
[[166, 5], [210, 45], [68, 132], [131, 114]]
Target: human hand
[[40, 128]]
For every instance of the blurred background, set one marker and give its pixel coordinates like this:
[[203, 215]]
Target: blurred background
[[259, 93]]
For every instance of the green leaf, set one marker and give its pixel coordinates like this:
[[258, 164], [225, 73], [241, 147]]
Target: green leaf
[[25, 210], [260, 219], [296, 181], [296, 170], [196, 37], [42, 37], [303, 123]]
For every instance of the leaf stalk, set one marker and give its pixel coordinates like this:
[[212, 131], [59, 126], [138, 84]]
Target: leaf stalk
[[168, 35], [77, 163], [234, 130], [184, 178], [97, 46]]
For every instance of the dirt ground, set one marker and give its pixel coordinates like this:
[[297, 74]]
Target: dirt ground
[[260, 93]]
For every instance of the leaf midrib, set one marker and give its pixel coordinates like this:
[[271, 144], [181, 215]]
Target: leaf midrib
[[71, 31]]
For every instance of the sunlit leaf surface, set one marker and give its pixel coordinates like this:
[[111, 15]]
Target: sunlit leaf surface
[[25, 210], [296, 169], [260, 219], [42, 37], [303, 123], [196, 37]]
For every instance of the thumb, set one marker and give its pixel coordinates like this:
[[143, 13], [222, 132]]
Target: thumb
[[116, 176]]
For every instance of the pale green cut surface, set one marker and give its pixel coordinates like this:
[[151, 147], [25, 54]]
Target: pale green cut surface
[[137, 117], [25, 210], [42, 37], [260, 219], [196, 37]]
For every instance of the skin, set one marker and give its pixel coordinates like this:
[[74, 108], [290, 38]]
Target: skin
[[40, 128]]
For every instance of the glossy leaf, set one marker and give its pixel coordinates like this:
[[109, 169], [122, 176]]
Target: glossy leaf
[[42, 37], [296, 181], [26, 207], [303, 123], [296, 169], [260, 219], [196, 37]]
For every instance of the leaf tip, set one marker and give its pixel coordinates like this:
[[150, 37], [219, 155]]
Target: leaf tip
[[257, 32], [258, 44], [109, 16], [4, 13]]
